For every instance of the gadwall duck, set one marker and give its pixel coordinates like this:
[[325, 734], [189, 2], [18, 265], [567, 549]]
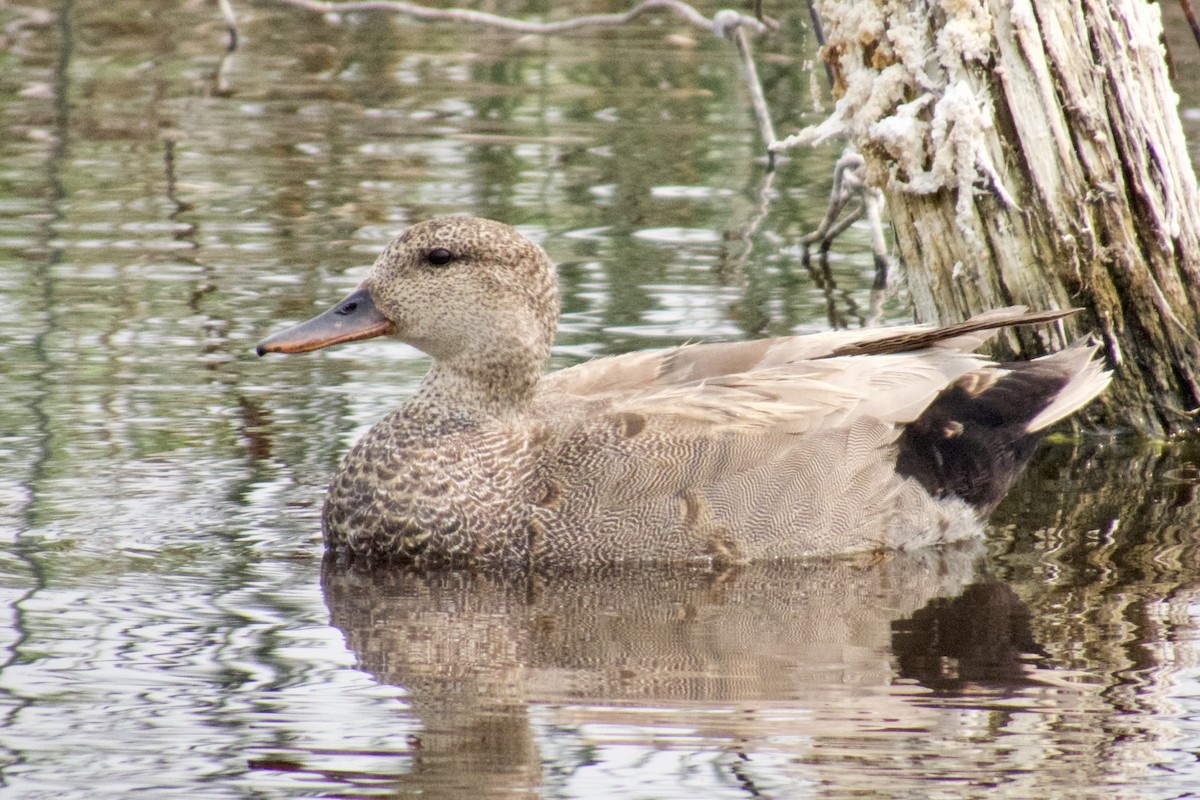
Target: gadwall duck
[[721, 453]]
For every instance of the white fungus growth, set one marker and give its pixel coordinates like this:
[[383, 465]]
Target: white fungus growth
[[919, 110]]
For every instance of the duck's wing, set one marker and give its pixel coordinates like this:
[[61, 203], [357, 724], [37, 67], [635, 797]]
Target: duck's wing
[[806, 395], [788, 460], [690, 363], [800, 383], [781, 464]]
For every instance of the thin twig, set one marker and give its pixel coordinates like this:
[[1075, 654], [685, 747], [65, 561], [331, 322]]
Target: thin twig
[[1186, 5], [761, 113], [677, 7], [819, 34], [873, 210], [230, 22], [846, 187]]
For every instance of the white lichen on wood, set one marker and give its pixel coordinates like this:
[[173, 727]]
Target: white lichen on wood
[[906, 94]]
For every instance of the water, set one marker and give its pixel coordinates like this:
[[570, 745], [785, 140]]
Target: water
[[171, 631]]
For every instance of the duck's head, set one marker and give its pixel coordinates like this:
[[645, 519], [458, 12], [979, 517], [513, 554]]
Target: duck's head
[[462, 289]]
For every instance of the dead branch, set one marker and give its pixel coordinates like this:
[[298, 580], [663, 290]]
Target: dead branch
[[677, 7]]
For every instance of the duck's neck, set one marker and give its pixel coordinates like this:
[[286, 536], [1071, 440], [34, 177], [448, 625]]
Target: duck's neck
[[488, 387]]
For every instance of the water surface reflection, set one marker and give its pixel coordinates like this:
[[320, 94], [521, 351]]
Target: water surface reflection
[[731, 669]]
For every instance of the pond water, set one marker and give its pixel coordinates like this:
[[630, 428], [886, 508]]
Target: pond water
[[171, 631]]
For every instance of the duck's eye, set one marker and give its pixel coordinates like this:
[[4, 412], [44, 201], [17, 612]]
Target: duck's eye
[[439, 257]]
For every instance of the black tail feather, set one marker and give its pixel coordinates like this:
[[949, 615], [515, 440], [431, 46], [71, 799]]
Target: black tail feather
[[973, 441]]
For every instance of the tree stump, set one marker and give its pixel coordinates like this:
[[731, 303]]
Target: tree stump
[[1031, 152]]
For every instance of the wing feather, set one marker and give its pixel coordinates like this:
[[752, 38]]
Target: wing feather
[[651, 369]]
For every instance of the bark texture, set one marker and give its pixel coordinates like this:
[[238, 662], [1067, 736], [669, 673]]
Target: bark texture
[[1031, 152]]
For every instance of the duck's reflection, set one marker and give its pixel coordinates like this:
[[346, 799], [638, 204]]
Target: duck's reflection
[[476, 652], [981, 639]]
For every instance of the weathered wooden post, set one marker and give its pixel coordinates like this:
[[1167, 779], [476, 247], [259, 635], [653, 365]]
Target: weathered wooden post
[[1031, 152]]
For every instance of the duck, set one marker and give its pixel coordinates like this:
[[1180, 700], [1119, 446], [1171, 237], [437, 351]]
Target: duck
[[722, 453]]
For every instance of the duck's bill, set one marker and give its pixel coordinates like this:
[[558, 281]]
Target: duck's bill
[[356, 317]]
